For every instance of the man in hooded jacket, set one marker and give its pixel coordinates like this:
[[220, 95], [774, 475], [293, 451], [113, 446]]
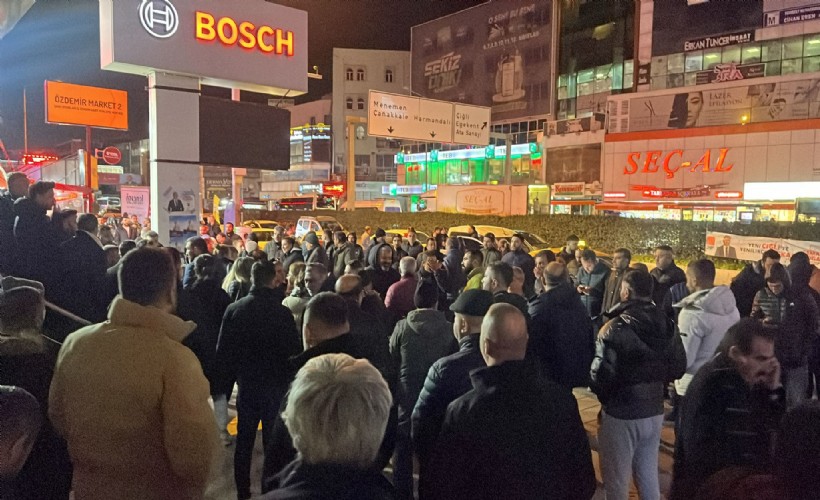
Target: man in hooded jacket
[[381, 265]]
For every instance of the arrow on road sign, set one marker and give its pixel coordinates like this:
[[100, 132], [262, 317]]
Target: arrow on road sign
[[432, 134], [390, 130], [483, 125]]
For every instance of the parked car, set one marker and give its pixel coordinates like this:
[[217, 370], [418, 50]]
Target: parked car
[[317, 224]]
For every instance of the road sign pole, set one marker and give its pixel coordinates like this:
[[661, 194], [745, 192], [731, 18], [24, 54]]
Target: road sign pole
[[351, 122], [89, 198]]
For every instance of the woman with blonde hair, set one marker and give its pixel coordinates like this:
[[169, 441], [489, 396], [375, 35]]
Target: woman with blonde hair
[[238, 281]]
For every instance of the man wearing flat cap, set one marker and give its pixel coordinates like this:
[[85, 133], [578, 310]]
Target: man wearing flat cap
[[449, 377]]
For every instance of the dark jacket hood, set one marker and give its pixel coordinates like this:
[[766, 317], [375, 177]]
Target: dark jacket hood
[[418, 319], [373, 260], [648, 322]]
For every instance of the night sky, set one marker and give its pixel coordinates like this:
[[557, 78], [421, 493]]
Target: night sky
[[59, 40]]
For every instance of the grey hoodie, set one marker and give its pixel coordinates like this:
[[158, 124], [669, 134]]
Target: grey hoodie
[[704, 318]]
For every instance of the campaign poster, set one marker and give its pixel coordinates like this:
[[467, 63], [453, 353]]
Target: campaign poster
[[751, 248], [497, 54], [136, 200]]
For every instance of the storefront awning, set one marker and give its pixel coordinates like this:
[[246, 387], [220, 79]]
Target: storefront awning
[[573, 202]]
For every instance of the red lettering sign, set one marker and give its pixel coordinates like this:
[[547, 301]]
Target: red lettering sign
[[653, 161]]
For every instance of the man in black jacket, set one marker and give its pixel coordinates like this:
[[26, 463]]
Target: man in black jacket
[[497, 279], [18, 188], [449, 377], [751, 280], [85, 268], [666, 275], [514, 435], [326, 330], [518, 257], [258, 336], [36, 237], [412, 246], [731, 411], [561, 338], [342, 254], [290, 254], [628, 374]]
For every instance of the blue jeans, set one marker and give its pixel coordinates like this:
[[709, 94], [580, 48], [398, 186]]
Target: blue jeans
[[626, 447]]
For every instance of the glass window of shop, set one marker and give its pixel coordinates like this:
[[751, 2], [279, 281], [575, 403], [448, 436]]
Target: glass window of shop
[[464, 171], [798, 54]]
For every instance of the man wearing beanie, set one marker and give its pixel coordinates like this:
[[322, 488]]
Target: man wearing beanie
[[417, 342], [449, 377], [378, 240], [315, 253], [561, 334]]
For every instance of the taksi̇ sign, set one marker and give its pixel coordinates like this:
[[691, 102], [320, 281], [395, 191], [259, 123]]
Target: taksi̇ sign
[[670, 163], [415, 118], [247, 44]]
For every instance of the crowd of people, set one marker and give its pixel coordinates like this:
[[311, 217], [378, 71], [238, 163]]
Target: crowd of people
[[359, 353]]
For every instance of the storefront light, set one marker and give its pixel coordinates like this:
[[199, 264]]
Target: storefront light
[[780, 191]]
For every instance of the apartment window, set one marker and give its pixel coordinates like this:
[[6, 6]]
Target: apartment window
[[751, 54], [811, 46], [388, 75], [793, 47], [313, 120], [359, 103], [349, 74], [694, 61], [360, 75], [361, 160]]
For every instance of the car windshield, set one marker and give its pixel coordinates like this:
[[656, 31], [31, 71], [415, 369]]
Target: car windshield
[[266, 225], [533, 240]]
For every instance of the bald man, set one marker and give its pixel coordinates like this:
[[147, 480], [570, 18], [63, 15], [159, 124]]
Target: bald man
[[518, 432]]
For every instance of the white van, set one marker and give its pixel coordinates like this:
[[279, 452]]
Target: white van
[[316, 224]]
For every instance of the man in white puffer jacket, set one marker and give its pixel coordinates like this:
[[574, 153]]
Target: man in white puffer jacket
[[705, 316]]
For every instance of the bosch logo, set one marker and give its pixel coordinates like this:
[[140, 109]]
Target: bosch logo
[[159, 18]]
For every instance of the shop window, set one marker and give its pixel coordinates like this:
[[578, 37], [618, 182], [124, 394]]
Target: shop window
[[711, 58], [731, 54], [360, 75], [751, 54], [791, 66], [658, 66], [694, 61], [617, 77], [793, 47], [658, 83], [811, 45], [360, 103], [771, 50], [811, 64], [388, 75], [562, 93], [586, 89], [349, 103], [349, 74], [773, 68], [690, 79], [628, 67], [675, 63], [586, 76], [627, 81], [674, 81]]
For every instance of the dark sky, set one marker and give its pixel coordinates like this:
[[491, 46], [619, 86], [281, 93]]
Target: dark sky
[[59, 40]]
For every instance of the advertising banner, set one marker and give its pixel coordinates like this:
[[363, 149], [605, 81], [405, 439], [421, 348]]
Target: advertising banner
[[679, 26], [498, 55], [136, 200], [489, 200], [587, 124], [792, 15], [766, 102], [574, 164], [69, 104], [751, 248], [730, 72]]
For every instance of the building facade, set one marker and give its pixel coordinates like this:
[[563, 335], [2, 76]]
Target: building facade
[[355, 72], [726, 123]]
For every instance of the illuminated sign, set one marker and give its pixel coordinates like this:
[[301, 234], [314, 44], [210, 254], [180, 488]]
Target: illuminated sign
[[35, 159], [672, 162], [245, 34], [614, 195], [336, 189], [69, 104], [568, 189], [465, 154], [250, 45], [729, 195]]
